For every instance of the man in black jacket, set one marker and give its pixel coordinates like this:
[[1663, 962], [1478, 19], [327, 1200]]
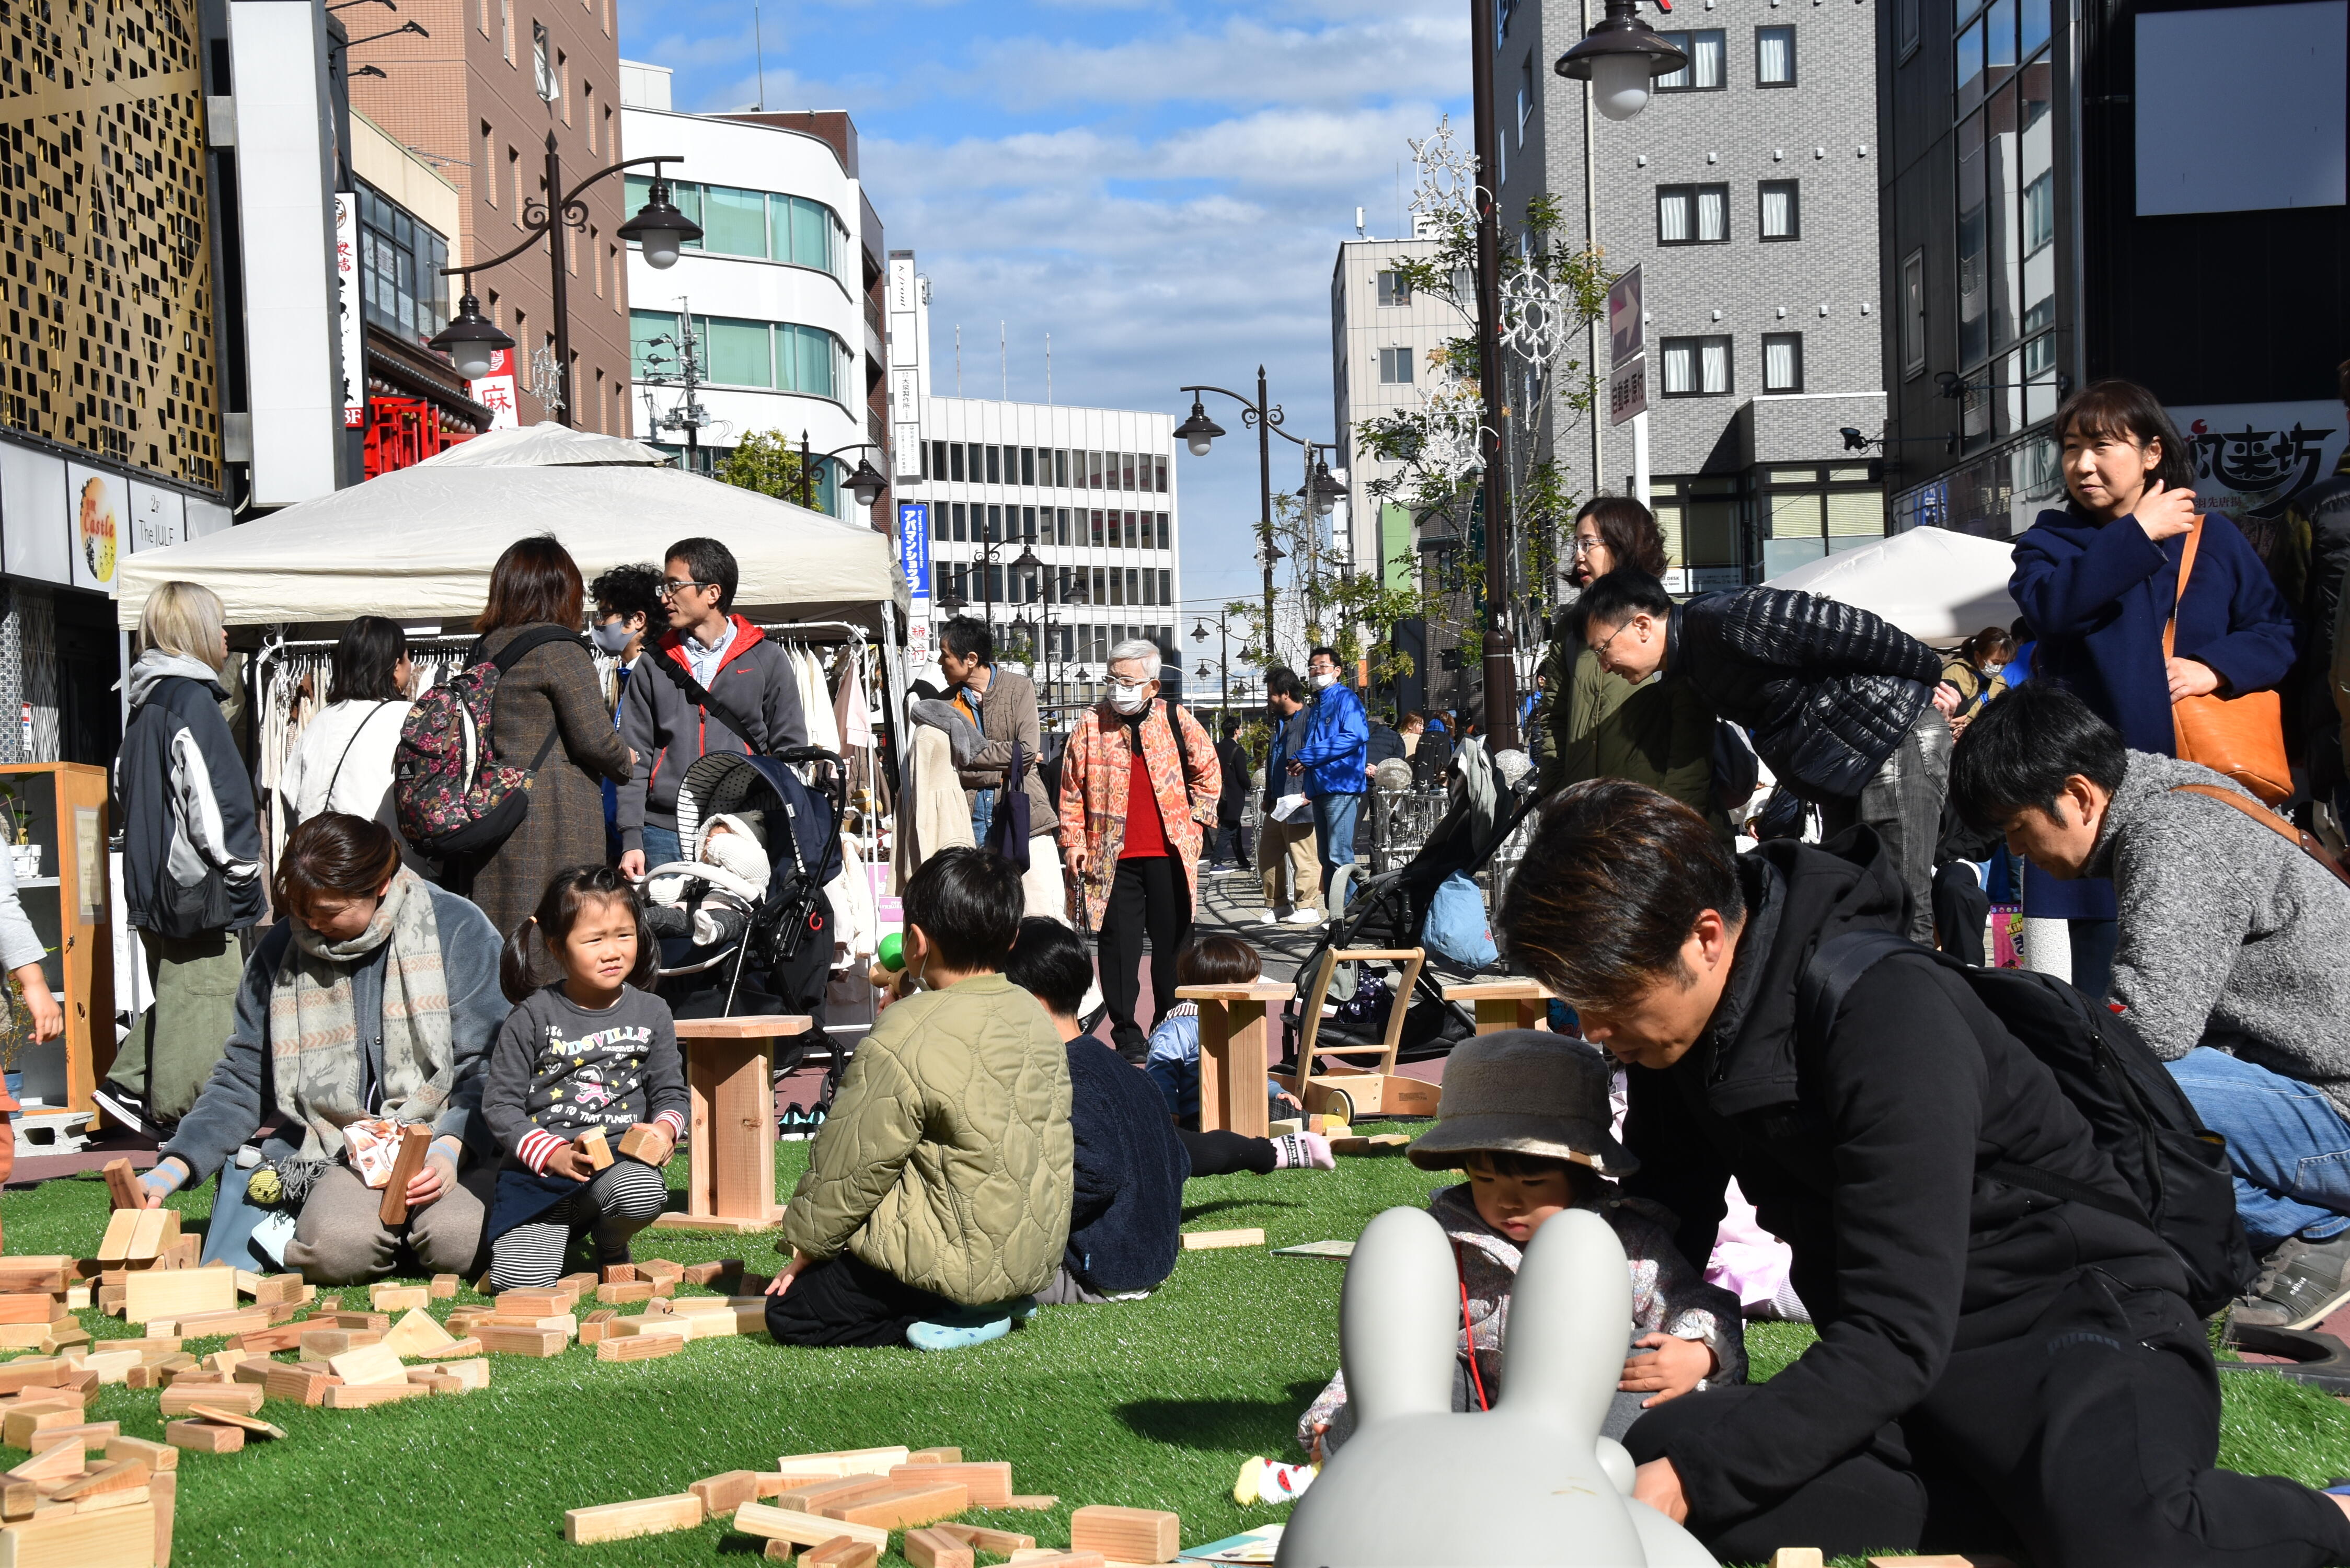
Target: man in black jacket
[[1231, 805], [1995, 1367], [1848, 712]]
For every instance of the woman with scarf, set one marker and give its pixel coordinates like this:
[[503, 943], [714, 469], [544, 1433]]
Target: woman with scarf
[[375, 999], [1138, 786]]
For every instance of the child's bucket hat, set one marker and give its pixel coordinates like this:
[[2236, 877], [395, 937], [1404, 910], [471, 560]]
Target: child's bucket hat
[[1524, 1091]]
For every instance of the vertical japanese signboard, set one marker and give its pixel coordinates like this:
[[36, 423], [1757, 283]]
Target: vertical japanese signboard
[[1628, 359], [347, 297]]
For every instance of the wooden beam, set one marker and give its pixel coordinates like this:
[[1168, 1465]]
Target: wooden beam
[[204, 1437], [152, 1295], [725, 1492], [935, 1548], [620, 1521], [990, 1483], [900, 1507], [101, 1538], [415, 1141], [801, 1529], [122, 1185], [1127, 1534], [1210, 1241]]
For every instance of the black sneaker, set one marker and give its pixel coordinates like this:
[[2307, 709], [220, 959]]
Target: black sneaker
[[129, 1109], [2302, 1283]]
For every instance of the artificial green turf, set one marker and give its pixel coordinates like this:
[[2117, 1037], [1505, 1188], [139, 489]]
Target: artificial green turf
[[1150, 1404]]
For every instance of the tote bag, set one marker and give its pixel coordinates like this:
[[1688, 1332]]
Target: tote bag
[[1007, 830], [2242, 737]]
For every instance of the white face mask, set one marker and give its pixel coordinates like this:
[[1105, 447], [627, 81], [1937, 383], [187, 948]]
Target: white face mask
[[612, 636], [1130, 699], [1323, 677]]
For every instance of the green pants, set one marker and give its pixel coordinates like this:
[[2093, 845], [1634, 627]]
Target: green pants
[[172, 1045]]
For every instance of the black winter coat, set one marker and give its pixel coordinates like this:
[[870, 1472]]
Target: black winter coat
[[1130, 1170], [1867, 1153], [190, 838], [1232, 804], [1826, 690]]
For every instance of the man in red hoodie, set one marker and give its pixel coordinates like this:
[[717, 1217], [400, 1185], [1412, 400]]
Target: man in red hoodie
[[709, 677]]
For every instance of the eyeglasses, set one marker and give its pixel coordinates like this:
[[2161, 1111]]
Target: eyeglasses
[[1581, 546], [673, 585], [1601, 651], [1129, 683]]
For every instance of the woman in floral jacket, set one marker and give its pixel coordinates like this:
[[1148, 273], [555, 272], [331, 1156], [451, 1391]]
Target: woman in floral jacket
[[1138, 786]]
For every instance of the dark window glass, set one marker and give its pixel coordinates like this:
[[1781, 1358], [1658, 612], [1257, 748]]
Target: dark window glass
[[994, 465], [954, 469]]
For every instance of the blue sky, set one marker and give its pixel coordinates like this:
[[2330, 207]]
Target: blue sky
[[1162, 187]]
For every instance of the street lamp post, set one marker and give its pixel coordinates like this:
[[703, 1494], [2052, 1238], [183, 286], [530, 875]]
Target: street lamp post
[[471, 341], [1317, 491], [865, 484]]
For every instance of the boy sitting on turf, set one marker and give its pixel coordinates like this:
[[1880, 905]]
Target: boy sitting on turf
[[1526, 1114], [936, 1200]]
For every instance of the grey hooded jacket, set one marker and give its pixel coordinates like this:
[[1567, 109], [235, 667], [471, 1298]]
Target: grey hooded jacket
[[191, 840], [2231, 936]]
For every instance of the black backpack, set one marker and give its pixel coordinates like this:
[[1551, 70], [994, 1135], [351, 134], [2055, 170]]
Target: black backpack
[[2136, 1113]]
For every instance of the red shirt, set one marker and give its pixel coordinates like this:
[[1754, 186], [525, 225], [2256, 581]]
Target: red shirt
[[1145, 834]]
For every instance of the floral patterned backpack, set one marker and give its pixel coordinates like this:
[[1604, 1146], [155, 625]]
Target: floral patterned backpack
[[453, 794]]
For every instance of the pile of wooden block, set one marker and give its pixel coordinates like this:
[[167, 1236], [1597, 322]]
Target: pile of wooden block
[[93, 1505], [36, 1303], [836, 1509]]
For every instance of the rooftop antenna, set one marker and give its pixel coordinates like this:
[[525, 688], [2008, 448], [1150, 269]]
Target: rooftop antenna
[[1358, 225], [759, 53]]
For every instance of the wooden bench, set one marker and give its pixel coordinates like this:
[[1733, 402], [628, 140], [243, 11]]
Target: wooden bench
[[1512, 1004], [1232, 1058], [730, 1079]]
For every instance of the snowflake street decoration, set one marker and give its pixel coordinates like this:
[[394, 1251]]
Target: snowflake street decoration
[[1452, 421], [1533, 316], [1446, 190]]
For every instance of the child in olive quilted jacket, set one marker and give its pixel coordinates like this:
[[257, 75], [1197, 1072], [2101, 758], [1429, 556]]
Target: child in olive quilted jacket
[[937, 1197]]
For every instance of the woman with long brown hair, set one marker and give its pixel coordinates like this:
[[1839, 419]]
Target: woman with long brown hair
[[549, 702], [1591, 723]]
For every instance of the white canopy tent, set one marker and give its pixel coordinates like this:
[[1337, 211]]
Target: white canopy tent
[[419, 543], [1938, 586]]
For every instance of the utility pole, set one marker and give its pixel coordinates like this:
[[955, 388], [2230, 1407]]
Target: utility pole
[[688, 415], [1501, 647], [1264, 494]]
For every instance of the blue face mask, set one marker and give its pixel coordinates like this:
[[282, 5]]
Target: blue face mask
[[612, 636]]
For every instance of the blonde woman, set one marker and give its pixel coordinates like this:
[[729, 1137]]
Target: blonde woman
[[191, 857]]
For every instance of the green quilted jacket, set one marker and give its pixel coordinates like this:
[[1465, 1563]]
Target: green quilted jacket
[[947, 1160]]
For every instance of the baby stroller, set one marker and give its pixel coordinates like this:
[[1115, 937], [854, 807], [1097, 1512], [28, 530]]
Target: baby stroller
[[784, 958], [1382, 923]]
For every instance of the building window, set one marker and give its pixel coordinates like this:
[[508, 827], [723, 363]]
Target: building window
[[773, 356], [1395, 366], [1693, 215], [1526, 95], [401, 286], [1158, 472], [1696, 367], [1395, 288], [1783, 361], [1774, 56], [1913, 315], [2040, 215], [1906, 39], [505, 27], [1705, 50], [1779, 209], [542, 60]]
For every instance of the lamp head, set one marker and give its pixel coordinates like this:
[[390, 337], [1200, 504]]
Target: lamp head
[[1621, 57], [867, 484], [659, 228], [471, 340], [1198, 430]]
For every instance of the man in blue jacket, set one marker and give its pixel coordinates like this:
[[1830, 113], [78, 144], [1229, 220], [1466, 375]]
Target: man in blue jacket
[[1329, 766]]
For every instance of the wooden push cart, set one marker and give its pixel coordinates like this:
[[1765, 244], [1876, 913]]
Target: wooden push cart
[[1349, 1090]]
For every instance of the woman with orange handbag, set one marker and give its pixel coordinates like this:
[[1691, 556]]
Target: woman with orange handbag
[[2162, 659]]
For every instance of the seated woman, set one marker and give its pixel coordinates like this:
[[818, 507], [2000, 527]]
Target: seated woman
[[376, 997]]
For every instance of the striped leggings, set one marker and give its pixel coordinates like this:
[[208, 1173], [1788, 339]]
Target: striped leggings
[[621, 1200]]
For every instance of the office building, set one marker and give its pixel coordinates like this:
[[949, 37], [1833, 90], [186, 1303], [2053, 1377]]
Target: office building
[[1387, 344], [783, 292], [1745, 193], [482, 97], [2109, 190]]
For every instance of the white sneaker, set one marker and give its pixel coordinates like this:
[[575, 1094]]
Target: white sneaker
[[1304, 918], [1262, 918]]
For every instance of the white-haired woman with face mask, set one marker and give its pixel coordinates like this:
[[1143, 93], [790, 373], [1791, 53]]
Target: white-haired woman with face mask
[[1139, 789]]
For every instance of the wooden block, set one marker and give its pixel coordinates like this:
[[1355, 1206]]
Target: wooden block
[[801, 1529], [298, 1387], [254, 1370], [1033, 1501], [619, 1275], [457, 1348], [37, 1372], [415, 1142], [626, 1294], [575, 1285], [620, 1521], [473, 1372], [443, 1287], [48, 1309], [163, 1497], [277, 1337], [326, 1343], [703, 1274], [1798, 1557], [151, 1295], [660, 1271], [18, 1500], [17, 1429], [1127, 1534], [159, 1456], [1208, 1241], [593, 1143], [934, 1548], [182, 1399], [774, 1483], [361, 1397], [399, 1298], [366, 1322], [276, 1290], [847, 1461], [1285, 1126], [45, 1272], [417, 1334], [1003, 1542], [119, 1226], [1051, 1559], [534, 1304], [158, 1229], [726, 1492], [329, 1304], [815, 1496], [642, 1140], [901, 1506], [990, 1483], [102, 1538], [939, 1456], [369, 1364], [59, 1461], [115, 1475], [210, 1324], [648, 1327], [640, 1348], [778, 1551], [88, 1435], [121, 1184], [539, 1342], [204, 1437], [113, 1366], [840, 1552]]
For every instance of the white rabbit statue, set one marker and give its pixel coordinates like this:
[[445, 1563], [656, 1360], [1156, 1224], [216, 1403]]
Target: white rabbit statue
[[1530, 1482]]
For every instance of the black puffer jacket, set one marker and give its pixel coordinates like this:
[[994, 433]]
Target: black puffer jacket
[[1827, 689]]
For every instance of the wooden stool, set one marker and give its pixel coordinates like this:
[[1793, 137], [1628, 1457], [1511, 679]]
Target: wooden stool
[[1365, 1091], [1512, 1004], [730, 1077], [1232, 1060]]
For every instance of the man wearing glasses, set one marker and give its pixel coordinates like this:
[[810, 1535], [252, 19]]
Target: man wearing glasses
[[710, 678], [1329, 766]]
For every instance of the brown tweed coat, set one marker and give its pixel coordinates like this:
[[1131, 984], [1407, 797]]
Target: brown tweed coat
[[552, 687]]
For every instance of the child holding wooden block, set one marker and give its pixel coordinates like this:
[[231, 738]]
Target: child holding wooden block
[[1527, 1113], [936, 1201], [591, 1051]]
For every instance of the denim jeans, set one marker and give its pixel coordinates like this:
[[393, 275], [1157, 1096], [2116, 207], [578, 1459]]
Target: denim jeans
[[2290, 1146], [1334, 832], [662, 846], [1904, 803], [982, 811]]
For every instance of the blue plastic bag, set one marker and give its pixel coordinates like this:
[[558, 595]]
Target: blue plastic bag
[[1456, 927]]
